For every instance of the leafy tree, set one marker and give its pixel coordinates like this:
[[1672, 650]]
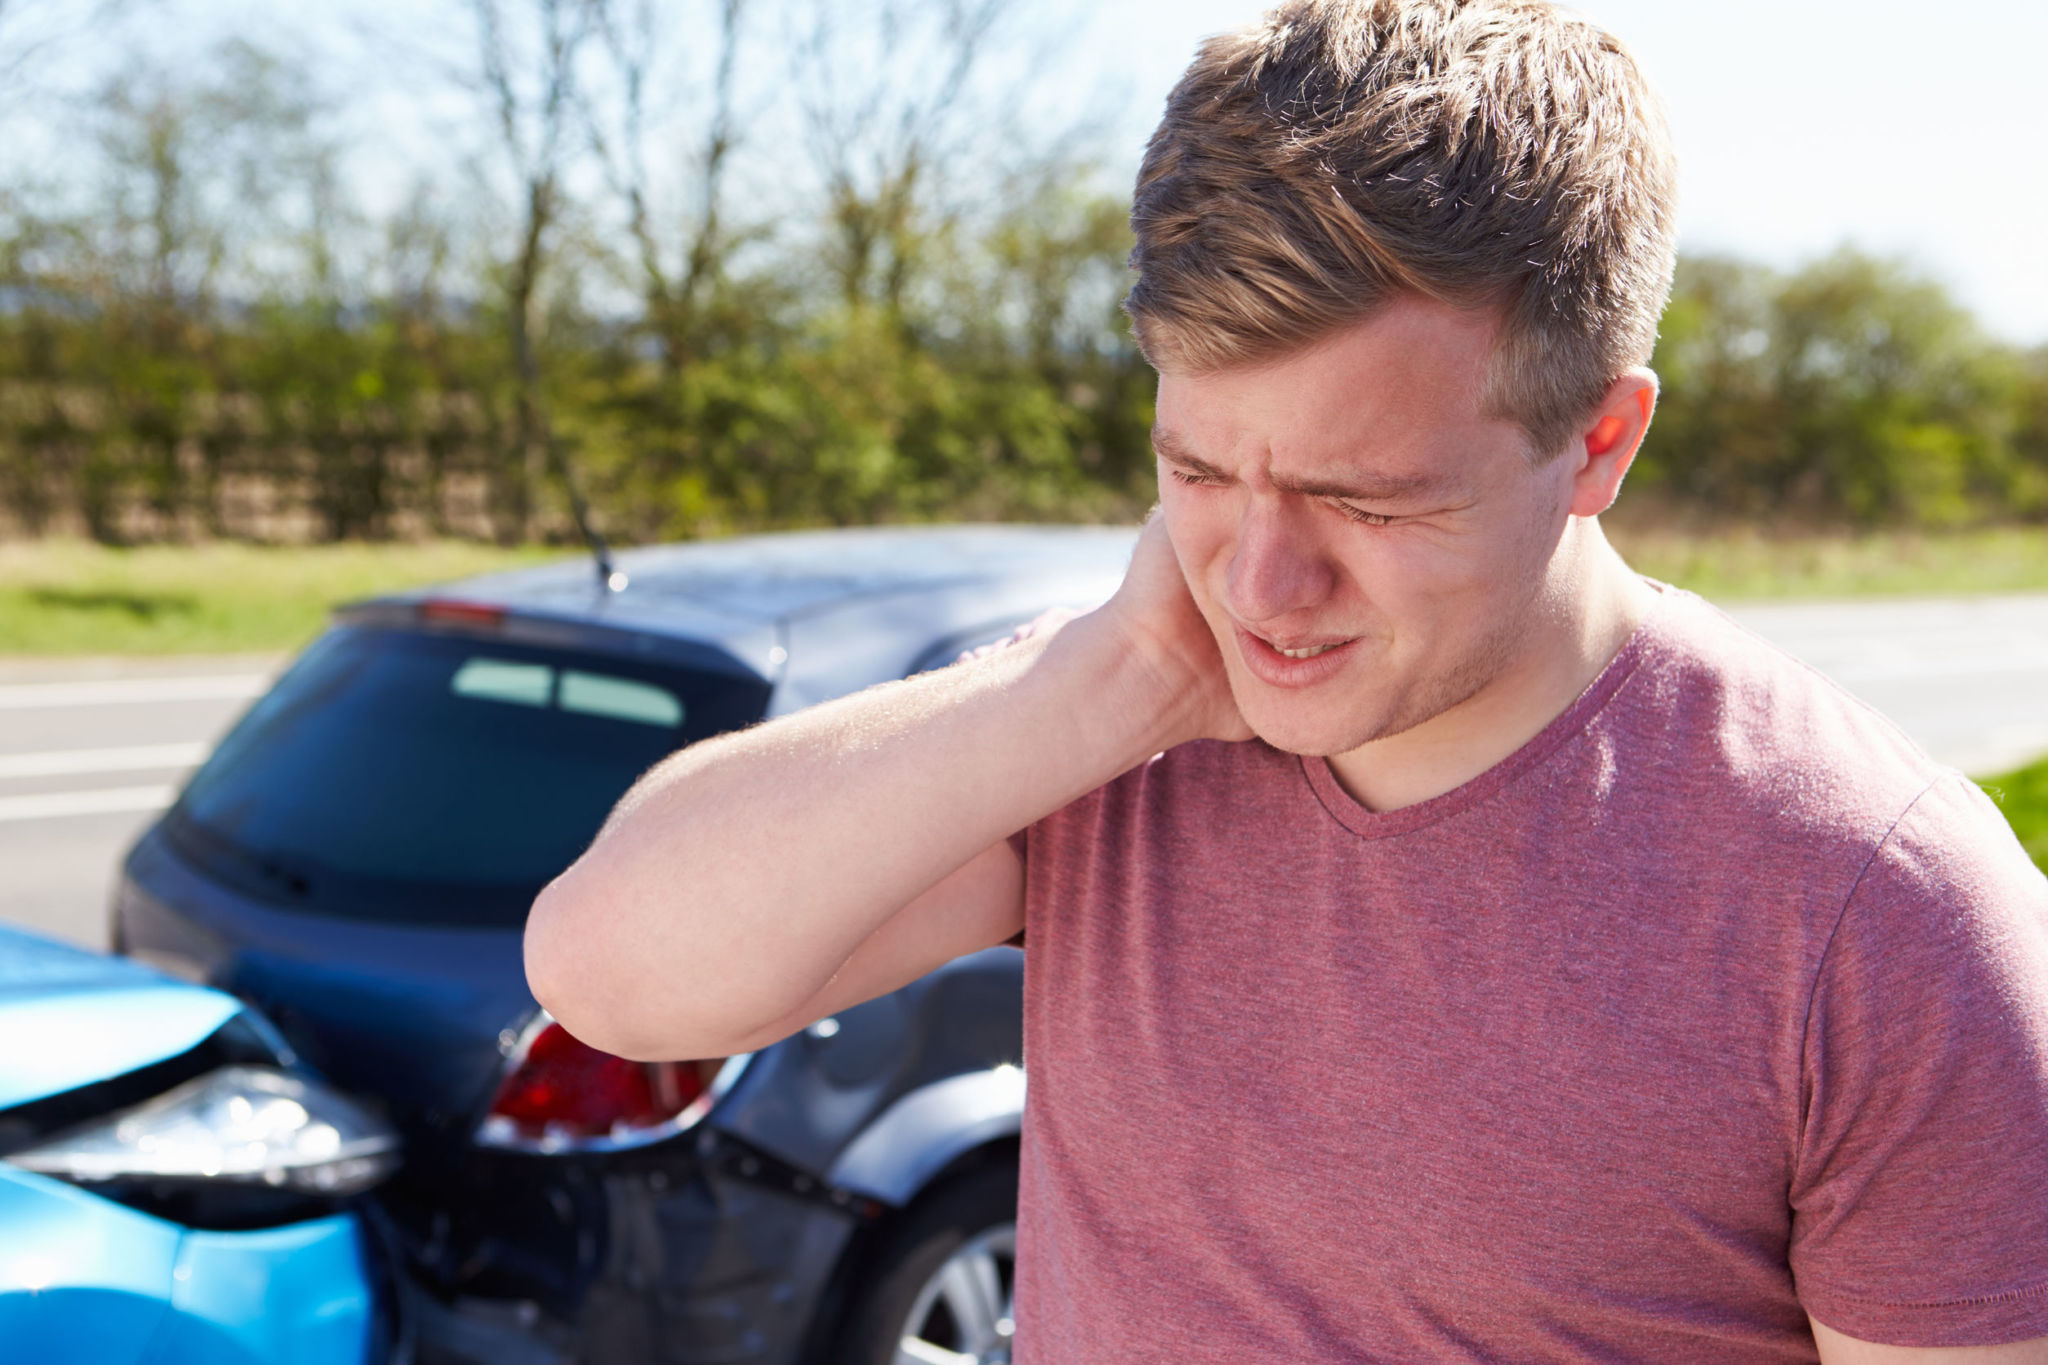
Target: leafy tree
[[1851, 391]]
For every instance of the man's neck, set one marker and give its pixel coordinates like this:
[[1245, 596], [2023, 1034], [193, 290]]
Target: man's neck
[[1599, 603]]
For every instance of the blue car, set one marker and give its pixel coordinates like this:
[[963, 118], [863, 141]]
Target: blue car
[[173, 1186]]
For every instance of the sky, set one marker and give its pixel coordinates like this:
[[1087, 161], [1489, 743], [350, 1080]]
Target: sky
[[1910, 128], [1905, 127]]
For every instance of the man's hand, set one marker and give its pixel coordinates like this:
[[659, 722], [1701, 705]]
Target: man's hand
[[1153, 619], [757, 881], [1157, 619]]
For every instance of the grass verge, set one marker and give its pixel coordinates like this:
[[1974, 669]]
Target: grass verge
[[74, 597], [1753, 562], [2023, 797]]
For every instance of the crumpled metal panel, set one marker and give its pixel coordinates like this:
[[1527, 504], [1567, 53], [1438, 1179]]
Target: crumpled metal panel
[[722, 1271], [807, 1098], [90, 1017]]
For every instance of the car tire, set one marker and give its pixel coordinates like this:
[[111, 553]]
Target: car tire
[[941, 1287]]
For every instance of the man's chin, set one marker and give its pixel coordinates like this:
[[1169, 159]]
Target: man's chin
[[1312, 736]]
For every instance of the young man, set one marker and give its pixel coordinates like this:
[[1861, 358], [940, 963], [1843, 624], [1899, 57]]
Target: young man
[[1444, 944]]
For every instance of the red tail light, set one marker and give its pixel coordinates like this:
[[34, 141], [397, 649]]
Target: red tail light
[[562, 1094], [454, 612]]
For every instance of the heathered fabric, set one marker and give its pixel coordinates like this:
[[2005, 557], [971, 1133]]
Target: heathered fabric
[[1715, 1005]]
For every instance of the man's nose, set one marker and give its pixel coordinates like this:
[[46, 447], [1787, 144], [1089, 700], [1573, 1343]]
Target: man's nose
[[1279, 565]]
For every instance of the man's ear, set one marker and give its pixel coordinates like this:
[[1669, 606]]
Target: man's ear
[[1608, 441]]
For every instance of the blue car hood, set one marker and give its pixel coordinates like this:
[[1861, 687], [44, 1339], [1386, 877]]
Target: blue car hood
[[72, 1017]]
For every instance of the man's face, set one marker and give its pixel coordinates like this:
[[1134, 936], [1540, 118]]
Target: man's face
[[1351, 499]]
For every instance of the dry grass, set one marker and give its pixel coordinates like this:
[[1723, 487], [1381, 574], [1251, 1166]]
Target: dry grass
[[1760, 562]]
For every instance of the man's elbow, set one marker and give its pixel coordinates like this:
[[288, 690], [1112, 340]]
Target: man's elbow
[[572, 972], [605, 992]]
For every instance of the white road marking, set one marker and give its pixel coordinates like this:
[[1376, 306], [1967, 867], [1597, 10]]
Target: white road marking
[[109, 800], [135, 759], [122, 691]]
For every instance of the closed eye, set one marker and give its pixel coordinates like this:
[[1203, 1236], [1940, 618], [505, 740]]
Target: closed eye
[[1192, 479], [1361, 516]]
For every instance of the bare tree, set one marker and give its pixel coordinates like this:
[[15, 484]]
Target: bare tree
[[215, 188], [914, 114], [528, 63], [161, 233], [33, 30], [202, 172], [676, 267]]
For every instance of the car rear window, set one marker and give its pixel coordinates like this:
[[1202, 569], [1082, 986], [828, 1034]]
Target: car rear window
[[436, 779]]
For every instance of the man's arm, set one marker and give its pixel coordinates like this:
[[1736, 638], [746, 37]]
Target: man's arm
[[1836, 1349], [754, 882]]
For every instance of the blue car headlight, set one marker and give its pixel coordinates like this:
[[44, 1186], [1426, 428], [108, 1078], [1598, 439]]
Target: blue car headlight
[[248, 1125]]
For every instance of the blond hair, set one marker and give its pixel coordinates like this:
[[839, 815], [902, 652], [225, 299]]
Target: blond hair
[[1495, 154]]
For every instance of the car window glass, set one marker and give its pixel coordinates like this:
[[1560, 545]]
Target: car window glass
[[437, 778], [500, 680], [594, 694]]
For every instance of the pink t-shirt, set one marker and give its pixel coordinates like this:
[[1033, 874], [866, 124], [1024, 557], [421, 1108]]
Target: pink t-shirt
[[1716, 1005]]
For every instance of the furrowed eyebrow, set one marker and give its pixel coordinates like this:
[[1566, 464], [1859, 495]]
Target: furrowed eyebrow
[[1362, 487], [1168, 447], [1365, 487]]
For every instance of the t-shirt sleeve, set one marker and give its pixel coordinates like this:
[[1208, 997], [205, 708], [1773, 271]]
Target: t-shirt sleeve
[[1920, 1187]]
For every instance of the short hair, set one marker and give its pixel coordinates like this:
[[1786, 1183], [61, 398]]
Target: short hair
[[1498, 154]]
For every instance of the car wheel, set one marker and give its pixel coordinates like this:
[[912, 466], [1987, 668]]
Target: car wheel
[[942, 1290]]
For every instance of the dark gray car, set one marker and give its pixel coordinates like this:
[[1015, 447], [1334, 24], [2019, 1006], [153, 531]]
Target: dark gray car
[[358, 856]]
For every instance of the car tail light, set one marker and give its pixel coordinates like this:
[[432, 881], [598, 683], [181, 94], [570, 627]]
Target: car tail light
[[561, 1095]]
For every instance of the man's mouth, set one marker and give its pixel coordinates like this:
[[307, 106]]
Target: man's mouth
[[1292, 664]]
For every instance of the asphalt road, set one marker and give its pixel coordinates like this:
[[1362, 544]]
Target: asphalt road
[[91, 749], [1967, 677]]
